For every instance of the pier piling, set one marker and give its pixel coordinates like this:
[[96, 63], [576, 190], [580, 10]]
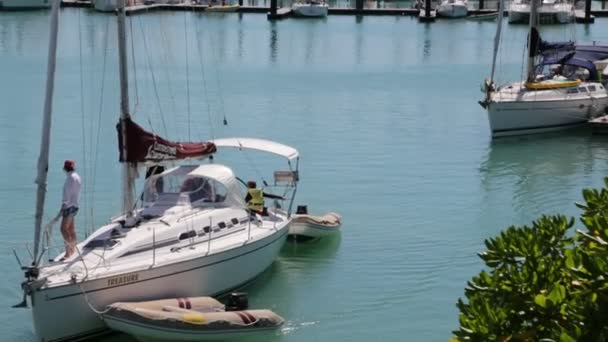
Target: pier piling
[[585, 17], [359, 5], [427, 14]]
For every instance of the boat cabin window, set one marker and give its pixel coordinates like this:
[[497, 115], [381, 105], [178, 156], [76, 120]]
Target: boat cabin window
[[582, 89], [192, 188], [572, 91], [591, 88], [563, 72]]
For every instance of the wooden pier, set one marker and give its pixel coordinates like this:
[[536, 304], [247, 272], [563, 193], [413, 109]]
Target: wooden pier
[[284, 12]]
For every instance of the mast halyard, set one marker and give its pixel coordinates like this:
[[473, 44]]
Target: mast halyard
[[43, 158], [128, 169], [532, 41]]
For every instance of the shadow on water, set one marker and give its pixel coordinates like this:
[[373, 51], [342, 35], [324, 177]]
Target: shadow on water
[[320, 249]]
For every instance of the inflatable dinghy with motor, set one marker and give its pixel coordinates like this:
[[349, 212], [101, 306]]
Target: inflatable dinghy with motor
[[312, 227], [190, 319]]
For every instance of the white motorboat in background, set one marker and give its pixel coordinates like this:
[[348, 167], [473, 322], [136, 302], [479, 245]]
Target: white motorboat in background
[[191, 233], [550, 11], [453, 8], [310, 8], [24, 4], [562, 88]]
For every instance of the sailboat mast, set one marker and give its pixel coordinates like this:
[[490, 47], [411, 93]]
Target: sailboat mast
[[532, 40], [43, 158], [128, 170], [501, 11]]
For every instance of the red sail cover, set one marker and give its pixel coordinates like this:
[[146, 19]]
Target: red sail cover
[[143, 146]]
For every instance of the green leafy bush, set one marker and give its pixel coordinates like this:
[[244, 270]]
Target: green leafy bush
[[543, 282]]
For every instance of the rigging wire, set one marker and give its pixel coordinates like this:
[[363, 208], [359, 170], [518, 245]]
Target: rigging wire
[[187, 73], [204, 78], [135, 80], [217, 78], [167, 59], [99, 116], [83, 127], [149, 62]]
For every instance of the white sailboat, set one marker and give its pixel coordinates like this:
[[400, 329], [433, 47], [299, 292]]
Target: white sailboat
[[310, 8], [24, 4], [568, 96], [453, 8], [550, 11], [192, 235]]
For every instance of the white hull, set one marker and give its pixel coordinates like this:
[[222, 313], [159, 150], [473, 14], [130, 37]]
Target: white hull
[[312, 230], [24, 4], [456, 9], [310, 10], [517, 111], [562, 13], [164, 334], [205, 275]]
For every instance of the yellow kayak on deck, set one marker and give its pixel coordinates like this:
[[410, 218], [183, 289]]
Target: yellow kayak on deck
[[552, 84], [225, 8]]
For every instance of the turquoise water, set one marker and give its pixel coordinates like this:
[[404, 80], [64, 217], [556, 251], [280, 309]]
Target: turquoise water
[[382, 109]]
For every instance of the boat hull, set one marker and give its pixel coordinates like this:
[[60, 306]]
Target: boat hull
[[313, 227], [191, 325], [560, 13], [518, 117], [203, 276], [150, 331], [453, 10], [312, 231], [310, 10]]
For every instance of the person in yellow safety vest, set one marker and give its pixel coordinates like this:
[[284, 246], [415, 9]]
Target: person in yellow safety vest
[[255, 198]]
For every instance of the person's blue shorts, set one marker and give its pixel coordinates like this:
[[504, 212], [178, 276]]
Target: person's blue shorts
[[69, 212]]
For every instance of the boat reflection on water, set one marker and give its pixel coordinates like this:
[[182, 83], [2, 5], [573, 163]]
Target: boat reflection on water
[[524, 177]]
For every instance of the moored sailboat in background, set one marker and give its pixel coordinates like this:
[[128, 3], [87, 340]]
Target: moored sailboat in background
[[550, 11], [562, 88], [453, 8], [191, 234], [310, 8]]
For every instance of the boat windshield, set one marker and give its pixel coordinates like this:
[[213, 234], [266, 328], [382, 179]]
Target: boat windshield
[[184, 187], [562, 72]]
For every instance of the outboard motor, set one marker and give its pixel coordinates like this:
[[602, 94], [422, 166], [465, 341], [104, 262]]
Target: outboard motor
[[302, 210], [237, 301]]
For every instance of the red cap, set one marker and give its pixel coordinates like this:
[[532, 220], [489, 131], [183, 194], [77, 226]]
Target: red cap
[[68, 165]]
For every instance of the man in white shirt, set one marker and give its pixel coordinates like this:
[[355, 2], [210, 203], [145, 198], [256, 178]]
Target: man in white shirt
[[69, 207]]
